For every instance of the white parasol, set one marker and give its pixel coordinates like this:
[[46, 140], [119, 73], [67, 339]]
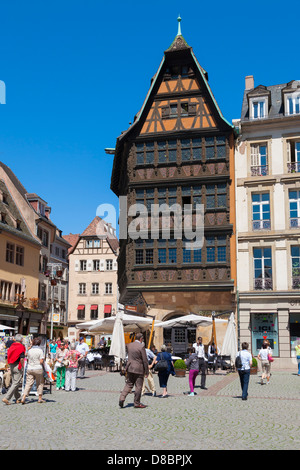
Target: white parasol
[[117, 347], [230, 347], [188, 320], [131, 323]]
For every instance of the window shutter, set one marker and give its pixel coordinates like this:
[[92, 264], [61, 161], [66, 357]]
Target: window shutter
[[165, 112], [192, 108], [77, 265], [288, 151], [115, 265], [254, 155], [89, 265], [102, 265]]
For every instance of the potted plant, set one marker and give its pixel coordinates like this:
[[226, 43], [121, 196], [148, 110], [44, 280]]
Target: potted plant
[[253, 368], [180, 368]]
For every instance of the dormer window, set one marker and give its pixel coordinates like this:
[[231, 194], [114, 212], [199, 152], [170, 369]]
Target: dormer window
[[258, 108], [293, 104], [259, 100], [41, 209]]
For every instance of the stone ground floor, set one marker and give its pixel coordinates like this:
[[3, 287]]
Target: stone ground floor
[[214, 419]]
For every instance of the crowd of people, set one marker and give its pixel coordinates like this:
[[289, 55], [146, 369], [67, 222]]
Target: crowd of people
[[64, 360], [67, 362]]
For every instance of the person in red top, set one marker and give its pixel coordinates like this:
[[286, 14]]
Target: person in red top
[[15, 359]]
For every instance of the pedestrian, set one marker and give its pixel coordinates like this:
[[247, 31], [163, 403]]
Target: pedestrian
[[83, 349], [60, 367], [244, 370], [15, 359], [192, 362], [72, 357], [53, 349], [35, 371], [263, 356], [150, 356], [297, 349], [163, 376], [199, 348], [136, 369]]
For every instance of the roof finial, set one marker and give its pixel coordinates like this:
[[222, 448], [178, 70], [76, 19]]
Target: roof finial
[[179, 27]]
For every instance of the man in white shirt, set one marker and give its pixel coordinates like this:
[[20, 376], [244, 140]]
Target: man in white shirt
[[199, 349], [83, 349]]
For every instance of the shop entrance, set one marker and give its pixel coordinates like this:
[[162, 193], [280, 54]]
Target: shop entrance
[[179, 339]]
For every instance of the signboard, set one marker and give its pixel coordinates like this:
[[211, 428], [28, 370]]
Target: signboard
[[131, 308], [56, 317]]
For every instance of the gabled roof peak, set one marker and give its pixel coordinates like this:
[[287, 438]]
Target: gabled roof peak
[[179, 42]]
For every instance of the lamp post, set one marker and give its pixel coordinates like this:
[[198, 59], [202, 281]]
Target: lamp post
[[54, 273]]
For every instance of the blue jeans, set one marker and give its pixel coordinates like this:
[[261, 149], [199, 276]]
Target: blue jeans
[[244, 379], [298, 359]]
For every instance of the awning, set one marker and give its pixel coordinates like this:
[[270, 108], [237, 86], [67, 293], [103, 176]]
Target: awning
[[94, 307], [80, 307], [107, 308]]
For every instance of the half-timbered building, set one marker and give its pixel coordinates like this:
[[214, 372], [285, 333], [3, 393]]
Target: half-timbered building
[[179, 149]]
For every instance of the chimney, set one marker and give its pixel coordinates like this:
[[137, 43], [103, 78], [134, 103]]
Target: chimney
[[249, 82]]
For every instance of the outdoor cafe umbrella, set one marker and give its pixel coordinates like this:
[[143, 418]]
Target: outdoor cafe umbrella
[[4, 327], [229, 347], [132, 323], [117, 347], [188, 320]]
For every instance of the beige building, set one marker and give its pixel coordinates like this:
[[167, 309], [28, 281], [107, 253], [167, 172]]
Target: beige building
[[27, 239], [19, 259], [93, 289], [268, 218]]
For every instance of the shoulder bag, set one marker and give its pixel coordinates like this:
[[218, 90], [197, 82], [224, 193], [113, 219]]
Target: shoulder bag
[[238, 361], [161, 365]]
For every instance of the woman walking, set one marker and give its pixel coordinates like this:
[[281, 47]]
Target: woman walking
[[244, 369], [163, 376], [72, 357], [192, 362], [35, 372], [61, 367], [263, 356]]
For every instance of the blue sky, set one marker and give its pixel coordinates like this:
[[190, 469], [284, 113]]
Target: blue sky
[[76, 73]]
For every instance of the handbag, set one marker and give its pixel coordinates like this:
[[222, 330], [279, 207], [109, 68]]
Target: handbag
[[270, 358], [161, 365]]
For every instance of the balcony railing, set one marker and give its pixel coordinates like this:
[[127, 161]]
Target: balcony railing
[[261, 224], [293, 167], [262, 170], [295, 222], [263, 284]]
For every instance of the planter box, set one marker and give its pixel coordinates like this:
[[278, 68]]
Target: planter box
[[253, 370], [180, 372]]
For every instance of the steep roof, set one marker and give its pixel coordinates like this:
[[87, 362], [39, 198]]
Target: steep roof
[[97, 228], [276, 109], [178, 46]]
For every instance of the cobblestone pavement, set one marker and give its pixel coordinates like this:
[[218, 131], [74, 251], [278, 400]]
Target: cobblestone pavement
[[217, 418]]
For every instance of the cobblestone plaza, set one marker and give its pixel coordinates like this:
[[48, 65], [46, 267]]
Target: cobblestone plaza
[[214, 419]]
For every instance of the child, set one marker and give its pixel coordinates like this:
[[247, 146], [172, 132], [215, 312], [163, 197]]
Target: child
[[193, 363]]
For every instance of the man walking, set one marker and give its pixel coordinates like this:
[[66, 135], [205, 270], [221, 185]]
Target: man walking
[[199, 348], [83, 349], [15, 359], [137, 368]]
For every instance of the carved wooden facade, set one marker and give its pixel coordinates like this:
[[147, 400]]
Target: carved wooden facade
[[179, 149]]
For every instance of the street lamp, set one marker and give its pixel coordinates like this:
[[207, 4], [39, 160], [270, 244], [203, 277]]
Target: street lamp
[[54, 273]]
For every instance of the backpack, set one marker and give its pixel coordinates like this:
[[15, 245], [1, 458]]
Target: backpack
[[238, 362]]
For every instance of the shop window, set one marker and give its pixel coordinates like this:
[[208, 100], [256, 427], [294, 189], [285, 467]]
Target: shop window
[[264, 326], [294, 331]]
